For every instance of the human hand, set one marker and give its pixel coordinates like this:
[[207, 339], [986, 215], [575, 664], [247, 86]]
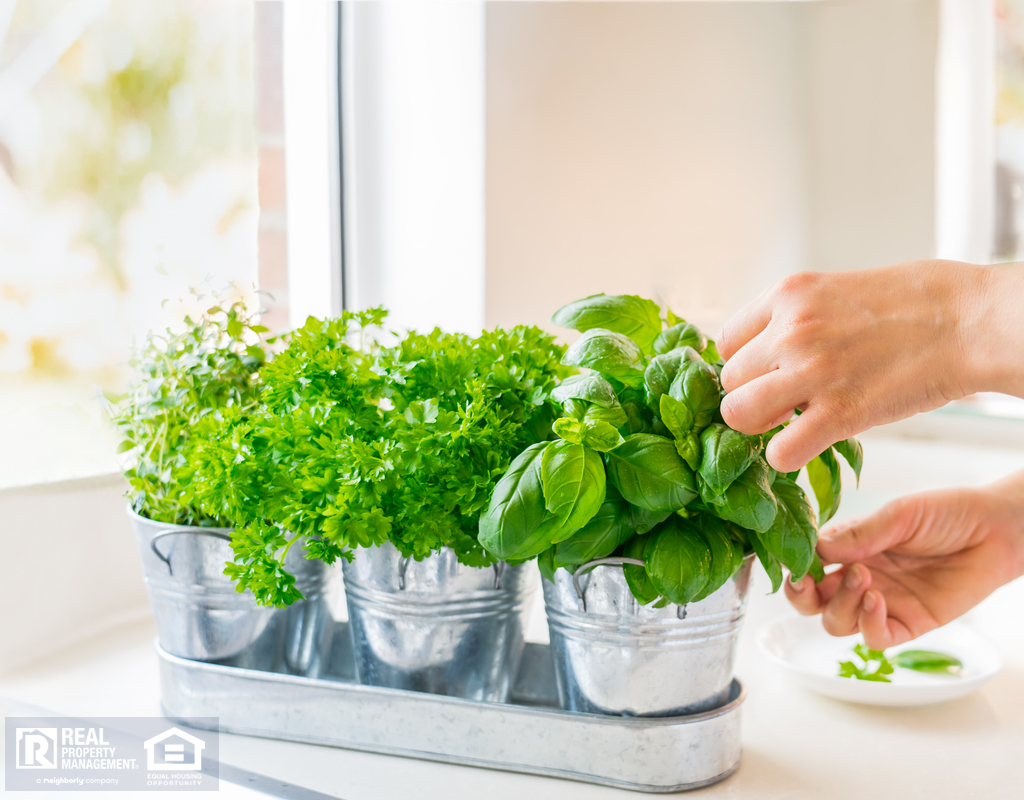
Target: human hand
[[918, 563], [857, 349]]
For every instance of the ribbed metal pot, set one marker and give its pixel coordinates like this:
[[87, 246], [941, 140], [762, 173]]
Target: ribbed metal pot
[[614, 656], [200, 615], [436, 625]]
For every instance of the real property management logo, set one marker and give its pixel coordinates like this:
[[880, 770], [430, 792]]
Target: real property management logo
[[111, 754]]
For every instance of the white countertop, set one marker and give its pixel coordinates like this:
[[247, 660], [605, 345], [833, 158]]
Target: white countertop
[[795, 744]]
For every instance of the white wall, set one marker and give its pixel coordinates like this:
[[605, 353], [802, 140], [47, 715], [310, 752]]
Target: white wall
[[697, 152]]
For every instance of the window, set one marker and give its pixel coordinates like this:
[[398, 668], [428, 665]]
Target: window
[[128, 175]]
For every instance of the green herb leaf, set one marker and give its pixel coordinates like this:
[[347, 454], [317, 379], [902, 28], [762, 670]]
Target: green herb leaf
[[726, 556], [748, 501], [633, 316], [928, 661], [823, 474], [817, 570], [793, 534], [517, 523], [679, 562], [725, 455], [851, 450], [637, 579], [590, 387], [682, 334], [612, 354], [573, 480], [768, 561], [696, 384], [606, 531], [649, 473]]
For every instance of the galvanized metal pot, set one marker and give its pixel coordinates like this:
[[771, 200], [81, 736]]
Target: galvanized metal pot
[[200, 615], [436, 625], [614, 656]]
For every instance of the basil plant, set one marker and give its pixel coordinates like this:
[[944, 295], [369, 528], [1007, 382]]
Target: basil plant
[[644, 467]]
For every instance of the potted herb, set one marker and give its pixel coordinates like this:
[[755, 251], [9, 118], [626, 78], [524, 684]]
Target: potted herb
[[181, 381], [385, 457], [645, 514]]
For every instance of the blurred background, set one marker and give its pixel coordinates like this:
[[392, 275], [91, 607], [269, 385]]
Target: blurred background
[[470, 164]]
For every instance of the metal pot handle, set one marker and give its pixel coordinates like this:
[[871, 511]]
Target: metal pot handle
[[598, 562], [173, 532]]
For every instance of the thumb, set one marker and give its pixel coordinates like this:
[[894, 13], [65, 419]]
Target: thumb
[[858, 539]]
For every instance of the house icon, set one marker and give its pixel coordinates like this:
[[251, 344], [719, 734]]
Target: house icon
[[174, 750]]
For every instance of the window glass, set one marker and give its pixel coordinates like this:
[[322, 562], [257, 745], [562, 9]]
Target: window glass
[[127, 177]]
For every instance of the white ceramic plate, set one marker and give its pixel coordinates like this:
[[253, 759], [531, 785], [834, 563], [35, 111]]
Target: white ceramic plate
[[800, 646]]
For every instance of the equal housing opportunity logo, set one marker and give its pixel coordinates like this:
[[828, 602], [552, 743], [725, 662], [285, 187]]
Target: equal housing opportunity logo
[[110, 754]]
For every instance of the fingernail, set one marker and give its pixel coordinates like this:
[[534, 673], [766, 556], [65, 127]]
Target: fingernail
[[853, 578], [797, 587], [869, 601]]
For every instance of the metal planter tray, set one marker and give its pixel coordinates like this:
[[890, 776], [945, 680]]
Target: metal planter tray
[[529, 734]]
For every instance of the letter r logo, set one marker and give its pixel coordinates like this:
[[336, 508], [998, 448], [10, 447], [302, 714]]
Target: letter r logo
[[36, 748]]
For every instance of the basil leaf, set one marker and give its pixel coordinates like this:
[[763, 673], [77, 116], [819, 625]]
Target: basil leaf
[[573, 479], [726, 557], [689, 450], [636, 317], [768, 561], [679, 562], [697, 385], [649, 473], [516, 524], [823, 474], [851, 450], [817, 570], [793, 535], [710, 353], [592, 388], [641, 520], [607, 530], [748, 501], [635, 422], [676, 416], [607, 352], [725, 455], [662, 371], [636, 577], [591, 430], [601, 436], [928, 661], [546, 563], [682, 334], [569, 429], [613, 415]]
